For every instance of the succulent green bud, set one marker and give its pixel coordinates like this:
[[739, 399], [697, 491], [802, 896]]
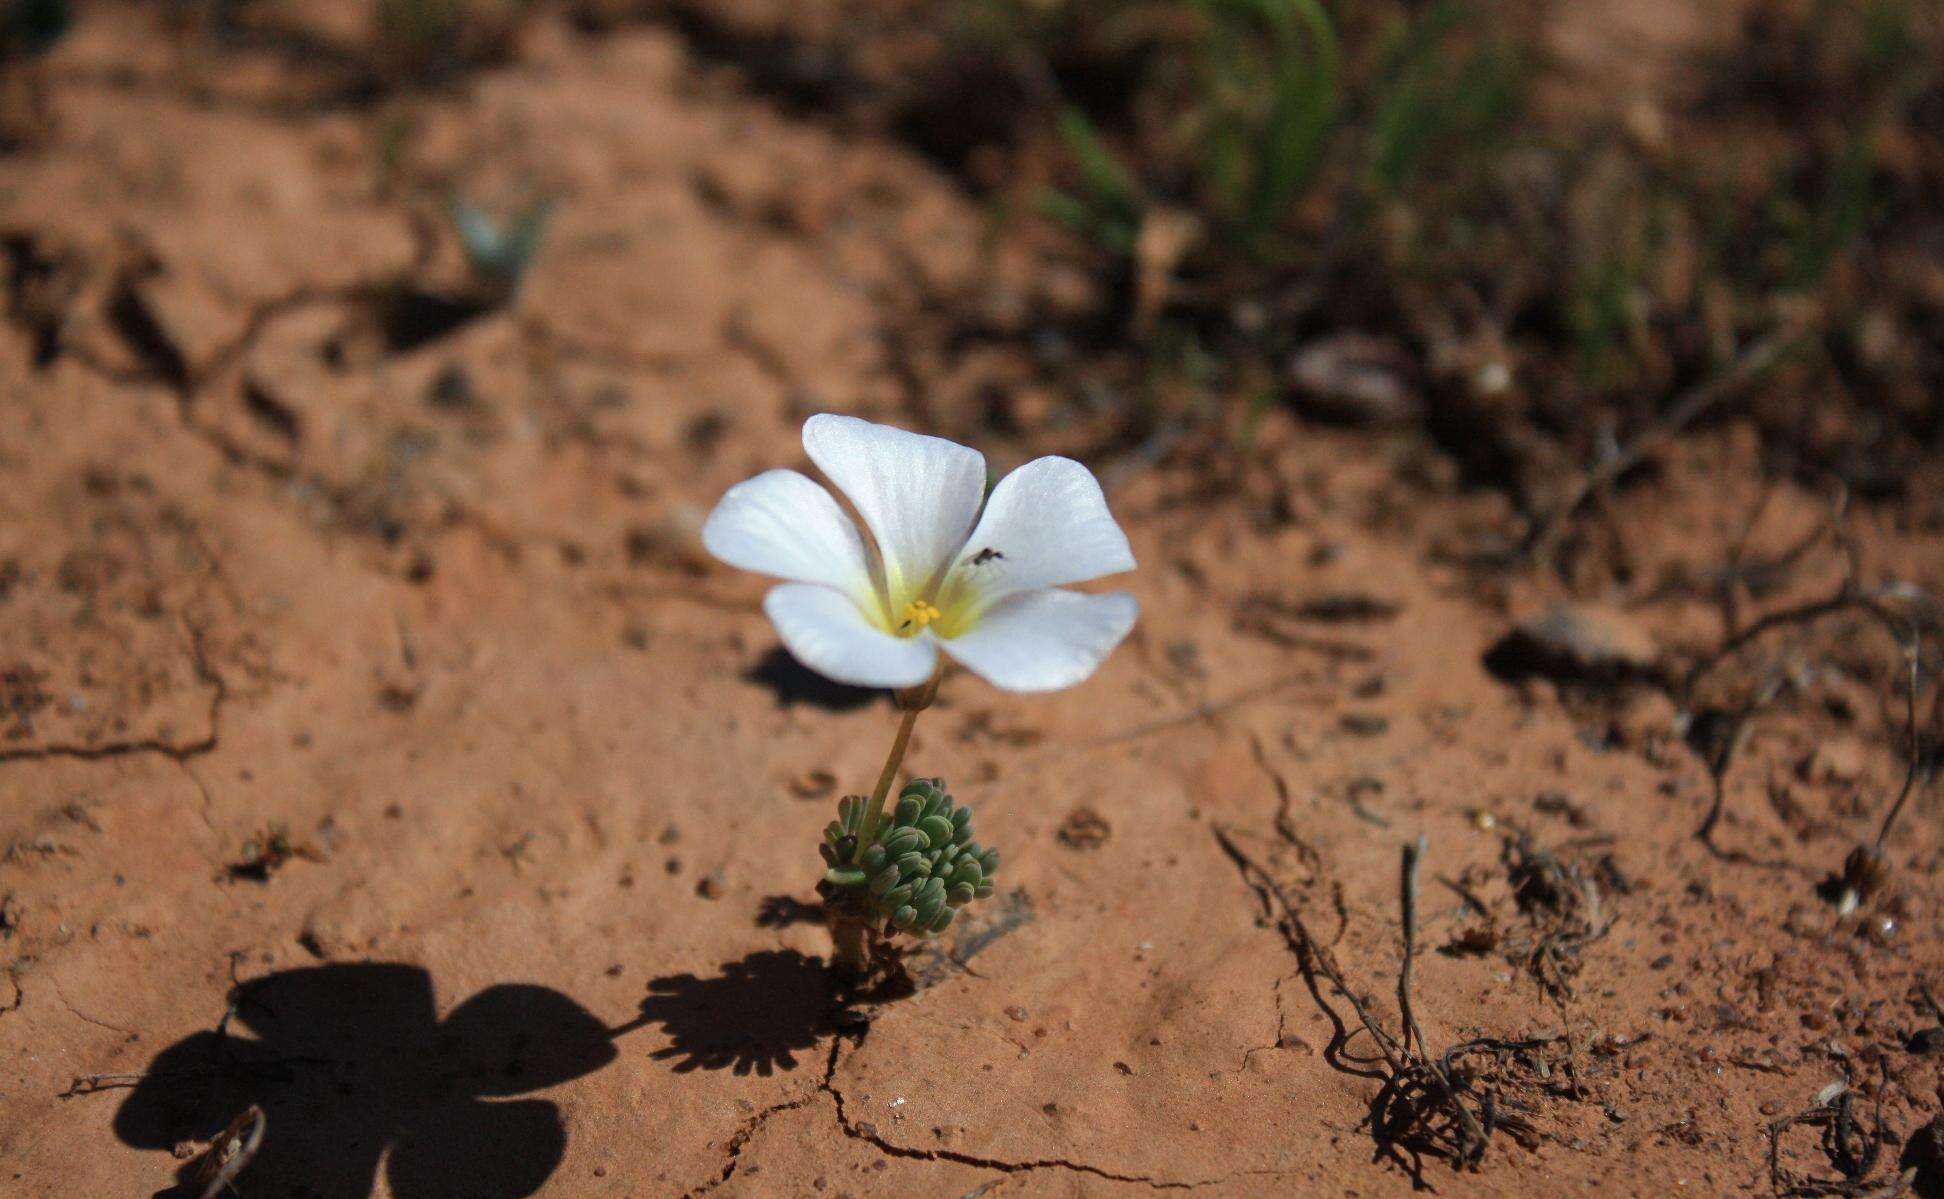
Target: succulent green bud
[[921, 866], [937, 829]]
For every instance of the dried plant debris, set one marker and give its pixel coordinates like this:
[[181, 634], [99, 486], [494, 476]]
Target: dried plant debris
[[1563, 903], [230, 1153], [269, 851], [1427, 1103], [1084, 828], [1442, 1104], [1852, 1151], [1716, 732]]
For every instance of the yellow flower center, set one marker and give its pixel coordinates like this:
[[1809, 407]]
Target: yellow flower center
[[917, 614]]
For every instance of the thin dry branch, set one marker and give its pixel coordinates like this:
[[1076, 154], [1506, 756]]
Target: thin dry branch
[[1313, 958], [1696, 402], [1853, 1152], [1473, 1136], [1911, 739], [1851, 598], [1419, 1107]]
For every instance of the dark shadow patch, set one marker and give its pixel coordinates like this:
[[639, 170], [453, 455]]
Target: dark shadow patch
[[275, 415], [409, 318], [799, 76], [754, 1017], [135, 322], [1476, 442], [783, 911], [1519, 656], [39, 285], [351, 1066], [1924, 1153], [793, 683]]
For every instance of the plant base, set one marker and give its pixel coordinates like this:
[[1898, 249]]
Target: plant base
[[862, 958]]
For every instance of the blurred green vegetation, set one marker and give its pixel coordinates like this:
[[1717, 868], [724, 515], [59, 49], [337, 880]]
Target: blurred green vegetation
[[423, 41], [1420, 172], [1530, 256], [1257, 114]]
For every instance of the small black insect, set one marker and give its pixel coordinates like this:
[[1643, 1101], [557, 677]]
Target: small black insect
[[984, 556]]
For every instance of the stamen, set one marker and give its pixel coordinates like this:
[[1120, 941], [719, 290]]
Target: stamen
[[918, 613]]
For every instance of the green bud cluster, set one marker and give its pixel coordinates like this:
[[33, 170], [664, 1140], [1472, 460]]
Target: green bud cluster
[[919, 868]]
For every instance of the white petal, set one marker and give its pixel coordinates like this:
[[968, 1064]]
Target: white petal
[[1046, 524], [829, 634], [918, 494], [783, 523], [1045, 640]]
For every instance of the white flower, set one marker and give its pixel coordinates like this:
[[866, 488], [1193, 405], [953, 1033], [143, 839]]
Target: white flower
[[938, 573]]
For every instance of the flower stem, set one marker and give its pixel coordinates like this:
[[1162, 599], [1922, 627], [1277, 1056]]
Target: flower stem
[[913, 700], [874, 812], [850, 941]]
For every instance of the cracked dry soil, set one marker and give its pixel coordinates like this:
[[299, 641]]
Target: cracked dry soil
[[279, 567]]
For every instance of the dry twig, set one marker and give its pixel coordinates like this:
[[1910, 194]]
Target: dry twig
[[1693, 404], [1423, 1103], [1853, 1152], [1716, 734]]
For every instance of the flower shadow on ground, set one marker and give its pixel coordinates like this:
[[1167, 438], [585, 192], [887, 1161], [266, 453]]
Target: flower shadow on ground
[[793, 683], [753, 1017], [352, 1068]]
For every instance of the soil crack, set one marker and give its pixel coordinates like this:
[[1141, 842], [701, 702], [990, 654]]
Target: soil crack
[[864, 1131], [180, 751], [750, 1128], [78, 1014]]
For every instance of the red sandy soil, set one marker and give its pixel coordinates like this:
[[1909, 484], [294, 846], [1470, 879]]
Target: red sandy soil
[[437, 614]]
